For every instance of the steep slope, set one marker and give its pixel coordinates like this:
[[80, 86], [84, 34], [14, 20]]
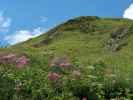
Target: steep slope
[[98, 50], [89, 38]]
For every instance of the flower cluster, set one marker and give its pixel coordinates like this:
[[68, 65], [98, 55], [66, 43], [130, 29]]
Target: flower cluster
[[58, 66], [21, 62], [60, 62], [7, 58], [53, 76], [12, 58], [65, 65], [84, 98]]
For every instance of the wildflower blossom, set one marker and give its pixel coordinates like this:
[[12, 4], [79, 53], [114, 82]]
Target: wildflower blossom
[[65, 65], [22, 61], [84, 98], [53, 76], [8, 58], [60, 62]]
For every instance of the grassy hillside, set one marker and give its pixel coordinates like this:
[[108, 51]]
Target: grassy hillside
[[85, 58]]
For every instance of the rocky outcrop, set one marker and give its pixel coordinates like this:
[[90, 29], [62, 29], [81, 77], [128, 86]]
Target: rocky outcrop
[[118, 38]]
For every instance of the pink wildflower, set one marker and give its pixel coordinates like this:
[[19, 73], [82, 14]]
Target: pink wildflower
[[84, 98], [9, 56], [53, 76], [65, 65], [77, 73], [22, 61]]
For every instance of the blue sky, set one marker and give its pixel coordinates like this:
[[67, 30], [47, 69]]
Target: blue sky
[[23, 19]]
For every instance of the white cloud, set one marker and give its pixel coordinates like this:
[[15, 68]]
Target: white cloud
[[23, 35], [5, 22], [128, 13]]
